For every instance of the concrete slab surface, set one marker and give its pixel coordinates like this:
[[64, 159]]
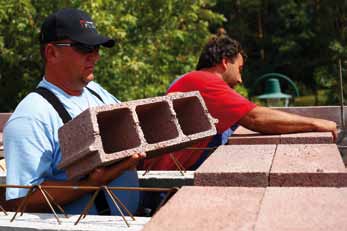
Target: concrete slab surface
[[292, 209], [237, 165], [165, 179], [209, 208], [42, 222], [308, 165], [245, 136], [307, 138]]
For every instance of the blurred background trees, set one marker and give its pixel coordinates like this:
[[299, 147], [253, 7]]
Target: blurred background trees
[[159, 40]]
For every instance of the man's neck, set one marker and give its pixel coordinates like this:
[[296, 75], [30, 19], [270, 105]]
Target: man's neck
[[66, 87], [214, 70]]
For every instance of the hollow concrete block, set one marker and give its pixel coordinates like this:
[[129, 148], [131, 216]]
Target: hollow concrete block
[[106, 134], [308, 165], [237, 165], [209, 208], [297, 208]]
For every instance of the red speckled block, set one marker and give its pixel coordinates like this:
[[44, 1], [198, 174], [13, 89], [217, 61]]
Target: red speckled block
[[106, 134], [209, 208], [313, 209], [245, 136], [308, 165], [237, 165], [307, 138]]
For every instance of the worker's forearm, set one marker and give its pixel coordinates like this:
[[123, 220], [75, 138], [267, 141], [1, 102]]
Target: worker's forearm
[[37, 202], [271, 121]]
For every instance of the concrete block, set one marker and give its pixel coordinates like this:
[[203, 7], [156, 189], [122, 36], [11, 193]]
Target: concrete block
[[245, 136], [237, 165], [209, 208], [165, 179], [106, 134], [308, 165], [3, 119], [314, 209], [45, 222], [307, 138]]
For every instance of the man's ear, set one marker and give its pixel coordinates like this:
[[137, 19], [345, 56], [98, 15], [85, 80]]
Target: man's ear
[[224, 63], [51, 53]]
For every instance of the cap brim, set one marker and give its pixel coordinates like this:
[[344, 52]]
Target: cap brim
[[94, 39]]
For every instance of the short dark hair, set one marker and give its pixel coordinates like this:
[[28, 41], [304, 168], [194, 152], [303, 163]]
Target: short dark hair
[[217, 48]]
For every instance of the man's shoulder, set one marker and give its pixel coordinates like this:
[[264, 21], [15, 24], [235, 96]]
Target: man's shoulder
[[195, 80], [34, 107]]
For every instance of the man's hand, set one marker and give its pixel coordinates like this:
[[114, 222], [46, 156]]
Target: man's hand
[[103, 175], [326, 126]]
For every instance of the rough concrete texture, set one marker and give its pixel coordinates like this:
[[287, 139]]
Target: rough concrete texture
[[245, 136], [3, 119], [308, 165], [237, 165], [307, 138], [165, 179], [105, 134], [209, 208], [42, 222], [303, 209]]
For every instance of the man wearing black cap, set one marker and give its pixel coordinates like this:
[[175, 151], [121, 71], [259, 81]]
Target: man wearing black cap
[[69, 47]]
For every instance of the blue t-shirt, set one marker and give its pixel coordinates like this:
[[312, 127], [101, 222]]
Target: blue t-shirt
[[31, 145]]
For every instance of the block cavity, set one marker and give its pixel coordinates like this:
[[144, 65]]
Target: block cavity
[[117, 130], [156, 122]]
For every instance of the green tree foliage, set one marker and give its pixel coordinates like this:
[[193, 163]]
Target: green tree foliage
[[157, 40], [301, 39]]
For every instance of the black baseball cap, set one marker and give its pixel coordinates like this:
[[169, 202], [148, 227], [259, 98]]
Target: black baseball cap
[[72, 24]]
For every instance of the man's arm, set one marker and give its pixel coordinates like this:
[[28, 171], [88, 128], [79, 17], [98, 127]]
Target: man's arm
[[100, 176], [270, 121]]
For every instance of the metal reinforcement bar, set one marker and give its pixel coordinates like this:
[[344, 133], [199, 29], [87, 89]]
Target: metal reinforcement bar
[[108, 190]]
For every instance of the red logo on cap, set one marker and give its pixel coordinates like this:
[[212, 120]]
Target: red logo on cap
[[87, 24]]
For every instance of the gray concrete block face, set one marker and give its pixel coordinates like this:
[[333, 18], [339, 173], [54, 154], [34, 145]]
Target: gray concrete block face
[[106, 134]]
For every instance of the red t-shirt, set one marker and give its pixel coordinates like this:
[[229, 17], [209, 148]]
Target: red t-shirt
[[222, 102]]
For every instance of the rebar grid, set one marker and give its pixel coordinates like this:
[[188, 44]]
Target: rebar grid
[[108, 190]]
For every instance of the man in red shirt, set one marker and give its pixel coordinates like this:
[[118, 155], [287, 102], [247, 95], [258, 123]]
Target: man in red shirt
[[218, 72]]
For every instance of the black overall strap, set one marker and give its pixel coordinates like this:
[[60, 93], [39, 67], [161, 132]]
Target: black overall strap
[[95, 94], [101, 204], [55, 102]]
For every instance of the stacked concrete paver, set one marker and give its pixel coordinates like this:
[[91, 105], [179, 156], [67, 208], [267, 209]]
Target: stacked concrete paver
[[209, 208], [245, 136], [274, 165], [303, 177], [106, 134], [297, 208], [229, 167]]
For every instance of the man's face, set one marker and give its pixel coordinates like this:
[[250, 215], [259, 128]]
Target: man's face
[[232, 75], [77, 66]]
